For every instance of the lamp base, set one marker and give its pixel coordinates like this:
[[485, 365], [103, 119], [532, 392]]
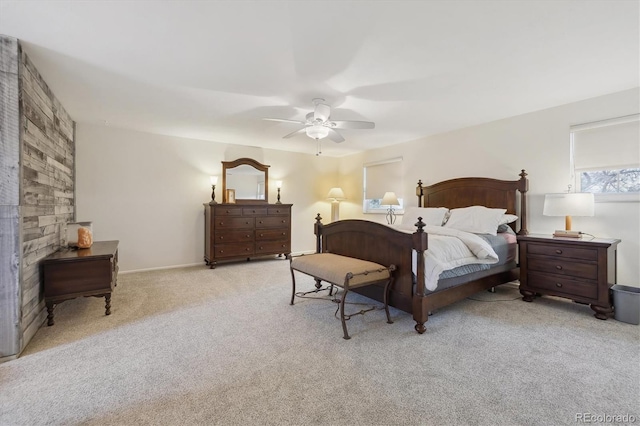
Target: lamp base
[[567, 234]]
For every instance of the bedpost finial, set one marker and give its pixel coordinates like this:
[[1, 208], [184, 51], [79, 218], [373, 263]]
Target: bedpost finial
[[522, 174], [318, 218], [420, 225]]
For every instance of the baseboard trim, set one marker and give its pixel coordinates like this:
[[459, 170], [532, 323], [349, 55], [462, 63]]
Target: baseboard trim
[[186, 265], [159, 268]]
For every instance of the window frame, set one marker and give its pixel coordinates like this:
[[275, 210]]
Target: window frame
[[576, 174], [365, 205]]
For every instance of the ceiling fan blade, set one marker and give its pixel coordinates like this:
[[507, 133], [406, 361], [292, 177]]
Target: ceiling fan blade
[[335, 136], [322, 112], [353, 124], [284, 120], [292, 134]]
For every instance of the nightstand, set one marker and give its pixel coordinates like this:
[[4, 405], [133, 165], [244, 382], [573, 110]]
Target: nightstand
[[579, 269]]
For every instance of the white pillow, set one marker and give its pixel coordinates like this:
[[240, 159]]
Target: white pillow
[[508, 218], [430, 216], [476, 219]]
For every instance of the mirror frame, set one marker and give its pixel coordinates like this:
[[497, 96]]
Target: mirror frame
[[249, 162]]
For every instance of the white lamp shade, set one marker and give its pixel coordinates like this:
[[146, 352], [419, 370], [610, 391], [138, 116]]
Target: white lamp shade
[[569, 204], [278, 184], [390, 199], [336, 194], [214, 180], [317, 131]]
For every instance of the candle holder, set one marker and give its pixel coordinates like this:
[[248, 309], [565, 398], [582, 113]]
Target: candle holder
[[214, 181], [278, 185]]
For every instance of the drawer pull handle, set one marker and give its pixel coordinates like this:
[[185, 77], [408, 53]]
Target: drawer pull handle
[[221, 237], [247, 249], [558, 251], [558, 267], [247, 223], [221, 223], [228, 211], [277, 211], [262, 235], [248, 236], [254, 211], [284, 233], [284, 221], [558, 284], [221, 251], [260, 222], [260, 248]]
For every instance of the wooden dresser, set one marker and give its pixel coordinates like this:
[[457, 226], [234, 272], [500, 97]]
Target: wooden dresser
[[579, 269], [243, 231]]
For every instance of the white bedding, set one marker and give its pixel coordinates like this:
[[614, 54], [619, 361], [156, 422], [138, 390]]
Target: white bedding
[[449, 248]]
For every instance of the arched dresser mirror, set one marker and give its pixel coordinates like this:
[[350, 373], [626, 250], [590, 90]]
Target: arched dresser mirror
[[248, 179]]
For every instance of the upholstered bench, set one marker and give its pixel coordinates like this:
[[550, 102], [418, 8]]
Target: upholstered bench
[[345, 272]]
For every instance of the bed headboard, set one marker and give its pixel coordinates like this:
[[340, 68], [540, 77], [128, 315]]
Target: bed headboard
[[478, 191]]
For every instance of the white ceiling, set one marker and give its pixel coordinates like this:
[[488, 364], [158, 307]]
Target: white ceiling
[[213, 69]]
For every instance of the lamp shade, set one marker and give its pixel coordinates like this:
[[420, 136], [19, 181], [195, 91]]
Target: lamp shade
[[569, 204], [390, 199], [278, 184], [317, 131], [214, 180], [336, 194]]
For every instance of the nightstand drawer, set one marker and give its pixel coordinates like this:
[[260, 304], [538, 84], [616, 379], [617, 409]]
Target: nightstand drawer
[[563, 267], [565, 286], [560, 251]]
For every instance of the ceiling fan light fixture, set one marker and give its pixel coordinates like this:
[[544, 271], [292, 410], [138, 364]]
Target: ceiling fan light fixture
[[317, 131]]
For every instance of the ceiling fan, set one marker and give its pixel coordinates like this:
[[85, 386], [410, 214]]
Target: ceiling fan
[[317, 124]]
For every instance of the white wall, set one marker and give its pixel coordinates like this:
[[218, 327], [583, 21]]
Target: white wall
[[537, 142], [148, 191]]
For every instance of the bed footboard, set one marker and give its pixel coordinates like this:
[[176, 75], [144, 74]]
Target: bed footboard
[[381, 244]]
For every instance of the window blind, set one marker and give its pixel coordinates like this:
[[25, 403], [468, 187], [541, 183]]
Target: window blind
[[381, 177], [607, 145]]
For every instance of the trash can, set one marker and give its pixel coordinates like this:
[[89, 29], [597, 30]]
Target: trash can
[[626, 303]]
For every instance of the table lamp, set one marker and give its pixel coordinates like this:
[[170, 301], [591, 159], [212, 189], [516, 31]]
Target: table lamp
[[335, 195], [568, 204], [390, 200]]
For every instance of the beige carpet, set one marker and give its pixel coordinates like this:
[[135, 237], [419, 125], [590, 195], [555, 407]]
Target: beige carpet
[[200, 346]]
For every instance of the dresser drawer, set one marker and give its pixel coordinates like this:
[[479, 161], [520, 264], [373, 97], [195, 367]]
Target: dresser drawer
[[559, 251], [227, 211], [272, 222], [566, 286], [272, 234], [222, 237], [234, 250], [254, 211], [269, 247], [234, 223], [275, 211], [563, 267]]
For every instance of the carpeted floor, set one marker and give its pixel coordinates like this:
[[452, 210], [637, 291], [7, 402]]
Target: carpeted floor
[[199, 346]]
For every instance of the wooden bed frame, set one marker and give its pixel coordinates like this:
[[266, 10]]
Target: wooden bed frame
[[384, 245]]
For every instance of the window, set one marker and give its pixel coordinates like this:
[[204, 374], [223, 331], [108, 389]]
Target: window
[[606, 158], [380, 177]]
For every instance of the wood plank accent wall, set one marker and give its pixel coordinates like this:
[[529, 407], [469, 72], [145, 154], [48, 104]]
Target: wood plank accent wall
[[46, 179], [48, 185], [10, 253]]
